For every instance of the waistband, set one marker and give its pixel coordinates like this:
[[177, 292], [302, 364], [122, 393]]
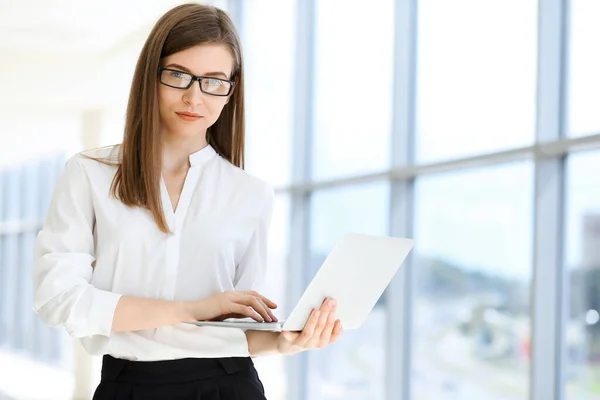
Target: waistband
[[171, 371]]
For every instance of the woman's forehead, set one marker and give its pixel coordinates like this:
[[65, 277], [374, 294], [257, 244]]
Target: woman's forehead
[[203, 59]]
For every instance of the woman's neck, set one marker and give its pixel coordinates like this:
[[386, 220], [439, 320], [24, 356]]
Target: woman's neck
[[176, 152]]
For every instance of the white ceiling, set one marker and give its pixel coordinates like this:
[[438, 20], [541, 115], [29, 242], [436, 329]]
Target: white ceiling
[[73, 54], [59, 26]]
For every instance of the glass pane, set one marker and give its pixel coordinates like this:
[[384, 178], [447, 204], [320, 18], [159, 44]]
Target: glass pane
[[585, 64], [29, 192], [3, 257], [582, 237], [10, 266], [272, 370], [30, 198], [8, 290], [269, 25], [4, 301], [26, 318], [46, 182], [3, 196], [473, 255], [12, 210], [476, 78], [354, 367], [352, 88], [20, 310]]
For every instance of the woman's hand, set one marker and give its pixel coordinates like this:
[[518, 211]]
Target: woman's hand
[[321, 330], [232, 304]]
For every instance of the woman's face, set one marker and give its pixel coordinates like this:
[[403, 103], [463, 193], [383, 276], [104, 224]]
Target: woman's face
[[176, 105]]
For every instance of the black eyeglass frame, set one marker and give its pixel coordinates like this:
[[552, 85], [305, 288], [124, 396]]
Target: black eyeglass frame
[[194, 79]]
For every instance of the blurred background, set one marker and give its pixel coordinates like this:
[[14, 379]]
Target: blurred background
[[472, 126]]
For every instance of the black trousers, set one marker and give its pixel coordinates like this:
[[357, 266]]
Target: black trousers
[[184, 379]]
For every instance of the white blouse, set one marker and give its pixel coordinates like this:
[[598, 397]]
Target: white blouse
[[93, 249]]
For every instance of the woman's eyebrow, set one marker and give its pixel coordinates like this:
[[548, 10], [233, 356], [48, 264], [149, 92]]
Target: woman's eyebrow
[[181, 67], [217, 74]]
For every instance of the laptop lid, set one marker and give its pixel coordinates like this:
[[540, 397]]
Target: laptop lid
[[355, 274]]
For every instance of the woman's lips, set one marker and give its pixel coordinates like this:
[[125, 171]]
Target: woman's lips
[[190, 117]]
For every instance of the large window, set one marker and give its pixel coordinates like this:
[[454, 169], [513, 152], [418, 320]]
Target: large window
[[354, 366], [268, 33], [473, 259], [352, 86], [268, 28], [582, 239], [272, 369], [584, 117], [476, 91], [29, 199], [476, 76], [10, 262], [25, 192]]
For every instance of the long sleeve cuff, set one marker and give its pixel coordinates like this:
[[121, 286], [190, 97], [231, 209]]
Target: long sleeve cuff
[[83, 311]]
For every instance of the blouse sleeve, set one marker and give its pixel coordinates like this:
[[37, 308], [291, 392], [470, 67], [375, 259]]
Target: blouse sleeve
[[63, 260], [251, 270]]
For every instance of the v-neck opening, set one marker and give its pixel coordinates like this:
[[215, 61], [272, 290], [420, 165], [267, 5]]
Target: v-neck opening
[[176, 215], [175, 207], [166, 198]]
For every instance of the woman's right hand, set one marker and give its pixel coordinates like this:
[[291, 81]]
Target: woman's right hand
[[233, 304]]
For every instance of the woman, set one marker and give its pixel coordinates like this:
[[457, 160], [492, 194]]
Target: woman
[[168, 228]]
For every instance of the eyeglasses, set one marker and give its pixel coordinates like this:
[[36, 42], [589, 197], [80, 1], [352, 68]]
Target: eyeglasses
[[183, 80]]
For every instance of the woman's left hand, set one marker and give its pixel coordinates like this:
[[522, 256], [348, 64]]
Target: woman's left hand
[[321, 330]]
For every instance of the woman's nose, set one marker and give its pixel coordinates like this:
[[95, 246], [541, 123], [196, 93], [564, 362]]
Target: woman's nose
[[193, 95]]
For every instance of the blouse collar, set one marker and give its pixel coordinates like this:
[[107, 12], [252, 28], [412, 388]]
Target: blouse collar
[[202, 156]]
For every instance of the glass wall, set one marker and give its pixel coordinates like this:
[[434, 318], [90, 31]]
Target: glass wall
[[267, 26], [353, 75], [473, 233], [25, 192], [584, 80], [476, 78], [354, 367], [582, 242], [466, 329]]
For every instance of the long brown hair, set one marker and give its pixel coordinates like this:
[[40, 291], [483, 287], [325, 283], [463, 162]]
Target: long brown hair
[[137, 179]]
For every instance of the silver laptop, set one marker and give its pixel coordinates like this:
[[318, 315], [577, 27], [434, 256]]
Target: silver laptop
[[355, 274]]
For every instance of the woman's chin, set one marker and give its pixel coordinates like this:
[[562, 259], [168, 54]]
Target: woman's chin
[[186, 133]]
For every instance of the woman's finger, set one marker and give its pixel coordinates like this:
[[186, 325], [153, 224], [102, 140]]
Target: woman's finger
[[325, 337], [247, 312], [259, 307], [270, 314], [250, 301], [268, 302], [268, 309], [322, 322], [337, 331], [309, 328]]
